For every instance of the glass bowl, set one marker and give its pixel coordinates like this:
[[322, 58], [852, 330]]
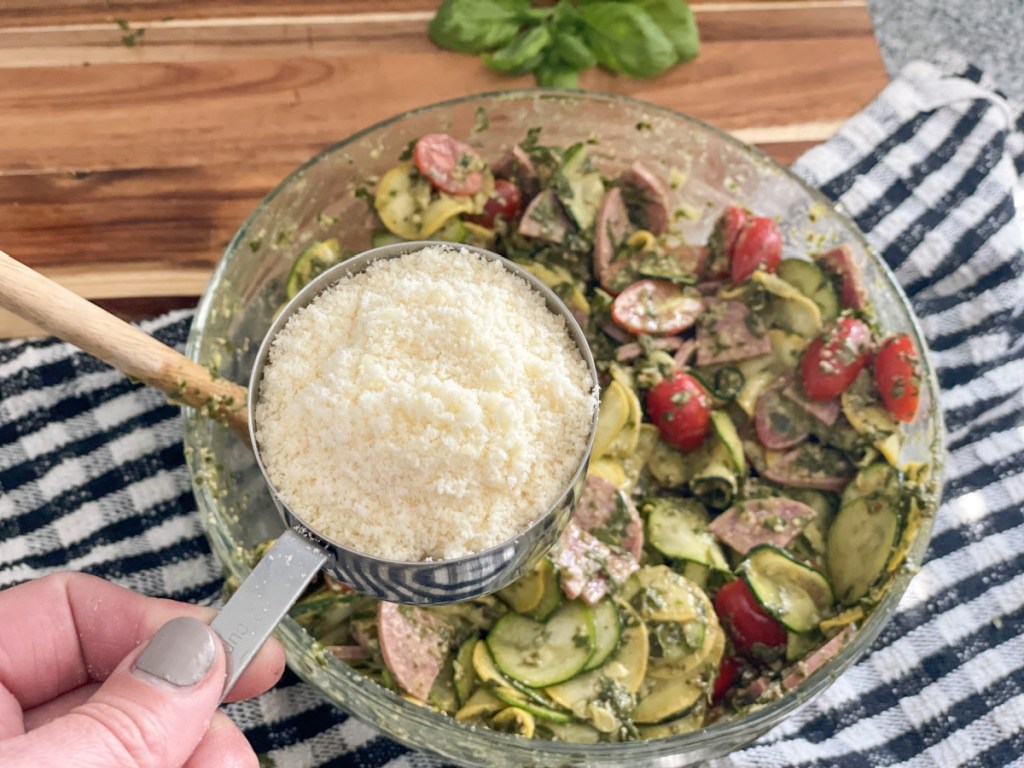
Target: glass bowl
[[325, 198]]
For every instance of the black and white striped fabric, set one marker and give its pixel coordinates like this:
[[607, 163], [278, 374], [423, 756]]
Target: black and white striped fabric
[[92, 476]]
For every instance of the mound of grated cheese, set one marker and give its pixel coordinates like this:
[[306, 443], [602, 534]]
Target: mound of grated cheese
[[427, 408]]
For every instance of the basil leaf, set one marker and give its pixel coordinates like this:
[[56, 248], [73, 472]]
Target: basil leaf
[[554, 72], [475, 26], [676, 20], [557, 75], [625, 39], [573, 51], [521, 54]]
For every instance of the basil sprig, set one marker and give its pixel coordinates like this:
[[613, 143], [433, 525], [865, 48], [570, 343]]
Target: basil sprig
[[637, 38]]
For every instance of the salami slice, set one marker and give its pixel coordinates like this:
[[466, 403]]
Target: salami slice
[[774, 520], [728, 332], [841, 263], [413, 642], [610, 515]]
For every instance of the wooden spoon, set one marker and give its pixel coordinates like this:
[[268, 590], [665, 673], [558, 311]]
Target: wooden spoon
[[68, 316]]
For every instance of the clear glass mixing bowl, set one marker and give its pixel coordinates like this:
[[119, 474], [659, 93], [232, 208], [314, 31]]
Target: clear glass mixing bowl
[[323, 198]]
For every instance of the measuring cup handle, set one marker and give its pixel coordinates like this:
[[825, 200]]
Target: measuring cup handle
[[264, 598]]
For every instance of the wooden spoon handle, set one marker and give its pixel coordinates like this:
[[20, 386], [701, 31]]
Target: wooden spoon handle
[[68, 316]]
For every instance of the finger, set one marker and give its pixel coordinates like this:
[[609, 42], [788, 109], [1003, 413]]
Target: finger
[[223, 746], [153, 709], [59, 707], [73, 628], [12, 722]]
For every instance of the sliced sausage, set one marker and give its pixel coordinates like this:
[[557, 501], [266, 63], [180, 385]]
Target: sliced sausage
[[690, 258], [656, 307], [516, 164], [773, 420], [610, 515], [841, 263], [611, 228], [545, 219], [796, 674], [646, 194], [775, 520], [349, 652], [825, 411], [809, 465], [450, 165], [586, 565], [728, 331], [413, 642], [631, 351]]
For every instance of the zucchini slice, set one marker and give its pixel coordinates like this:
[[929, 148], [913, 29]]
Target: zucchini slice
[[661, 700], [877, 481], [571, 732], [310, 263], [630, 667], [726, 431], [660, 594], [678, 528], [612, 417], [579, 186], [516, 698], [866, 531], [607, 631], [812, 282], [860, 543], [795, 593], [552, 597], [481, 704], [525, 593], [516, 720], [541, 654], [464, 674], [693, 720]]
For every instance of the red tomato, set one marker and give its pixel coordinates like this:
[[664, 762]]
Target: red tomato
[[758, 246], [656, 307], [832, 360], [727, 230], [897, 376], [727, 671], [504, 203], [450, 165], [745, 620], [681, 410]]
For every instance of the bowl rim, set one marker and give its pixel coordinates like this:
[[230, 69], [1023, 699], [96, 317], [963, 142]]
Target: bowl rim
[[757, 721]]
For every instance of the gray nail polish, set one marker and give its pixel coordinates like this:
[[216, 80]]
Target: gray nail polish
[[180, 653]]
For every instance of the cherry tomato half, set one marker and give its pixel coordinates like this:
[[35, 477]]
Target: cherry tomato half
[[504, 204], [745, 620], [658, 307], [681, 410], [897, 376], [723, 240], [758, 246], [450, 165], [728, 669], [833, 359]]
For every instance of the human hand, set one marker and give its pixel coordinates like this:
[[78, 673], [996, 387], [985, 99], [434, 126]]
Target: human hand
[[83, 684]]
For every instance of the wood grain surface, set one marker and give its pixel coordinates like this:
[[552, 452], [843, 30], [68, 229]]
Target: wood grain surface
[[124, 171]]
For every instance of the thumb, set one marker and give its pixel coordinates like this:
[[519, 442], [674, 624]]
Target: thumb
[[151, 712]]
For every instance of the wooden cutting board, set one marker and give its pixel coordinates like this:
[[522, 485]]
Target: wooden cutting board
[[128, 157]]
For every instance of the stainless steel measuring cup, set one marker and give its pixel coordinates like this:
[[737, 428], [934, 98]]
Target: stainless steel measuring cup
[[300, 552]]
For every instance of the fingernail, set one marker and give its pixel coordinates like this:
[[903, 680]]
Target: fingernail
[[180, 653]]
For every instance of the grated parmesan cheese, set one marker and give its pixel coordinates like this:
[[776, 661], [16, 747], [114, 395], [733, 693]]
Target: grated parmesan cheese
[[429, 407]]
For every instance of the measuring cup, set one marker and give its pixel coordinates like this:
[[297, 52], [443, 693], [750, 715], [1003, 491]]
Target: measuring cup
[[286, 569]]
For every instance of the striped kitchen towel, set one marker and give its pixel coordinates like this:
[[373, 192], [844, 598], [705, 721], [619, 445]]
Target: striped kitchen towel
[[92, 474]]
